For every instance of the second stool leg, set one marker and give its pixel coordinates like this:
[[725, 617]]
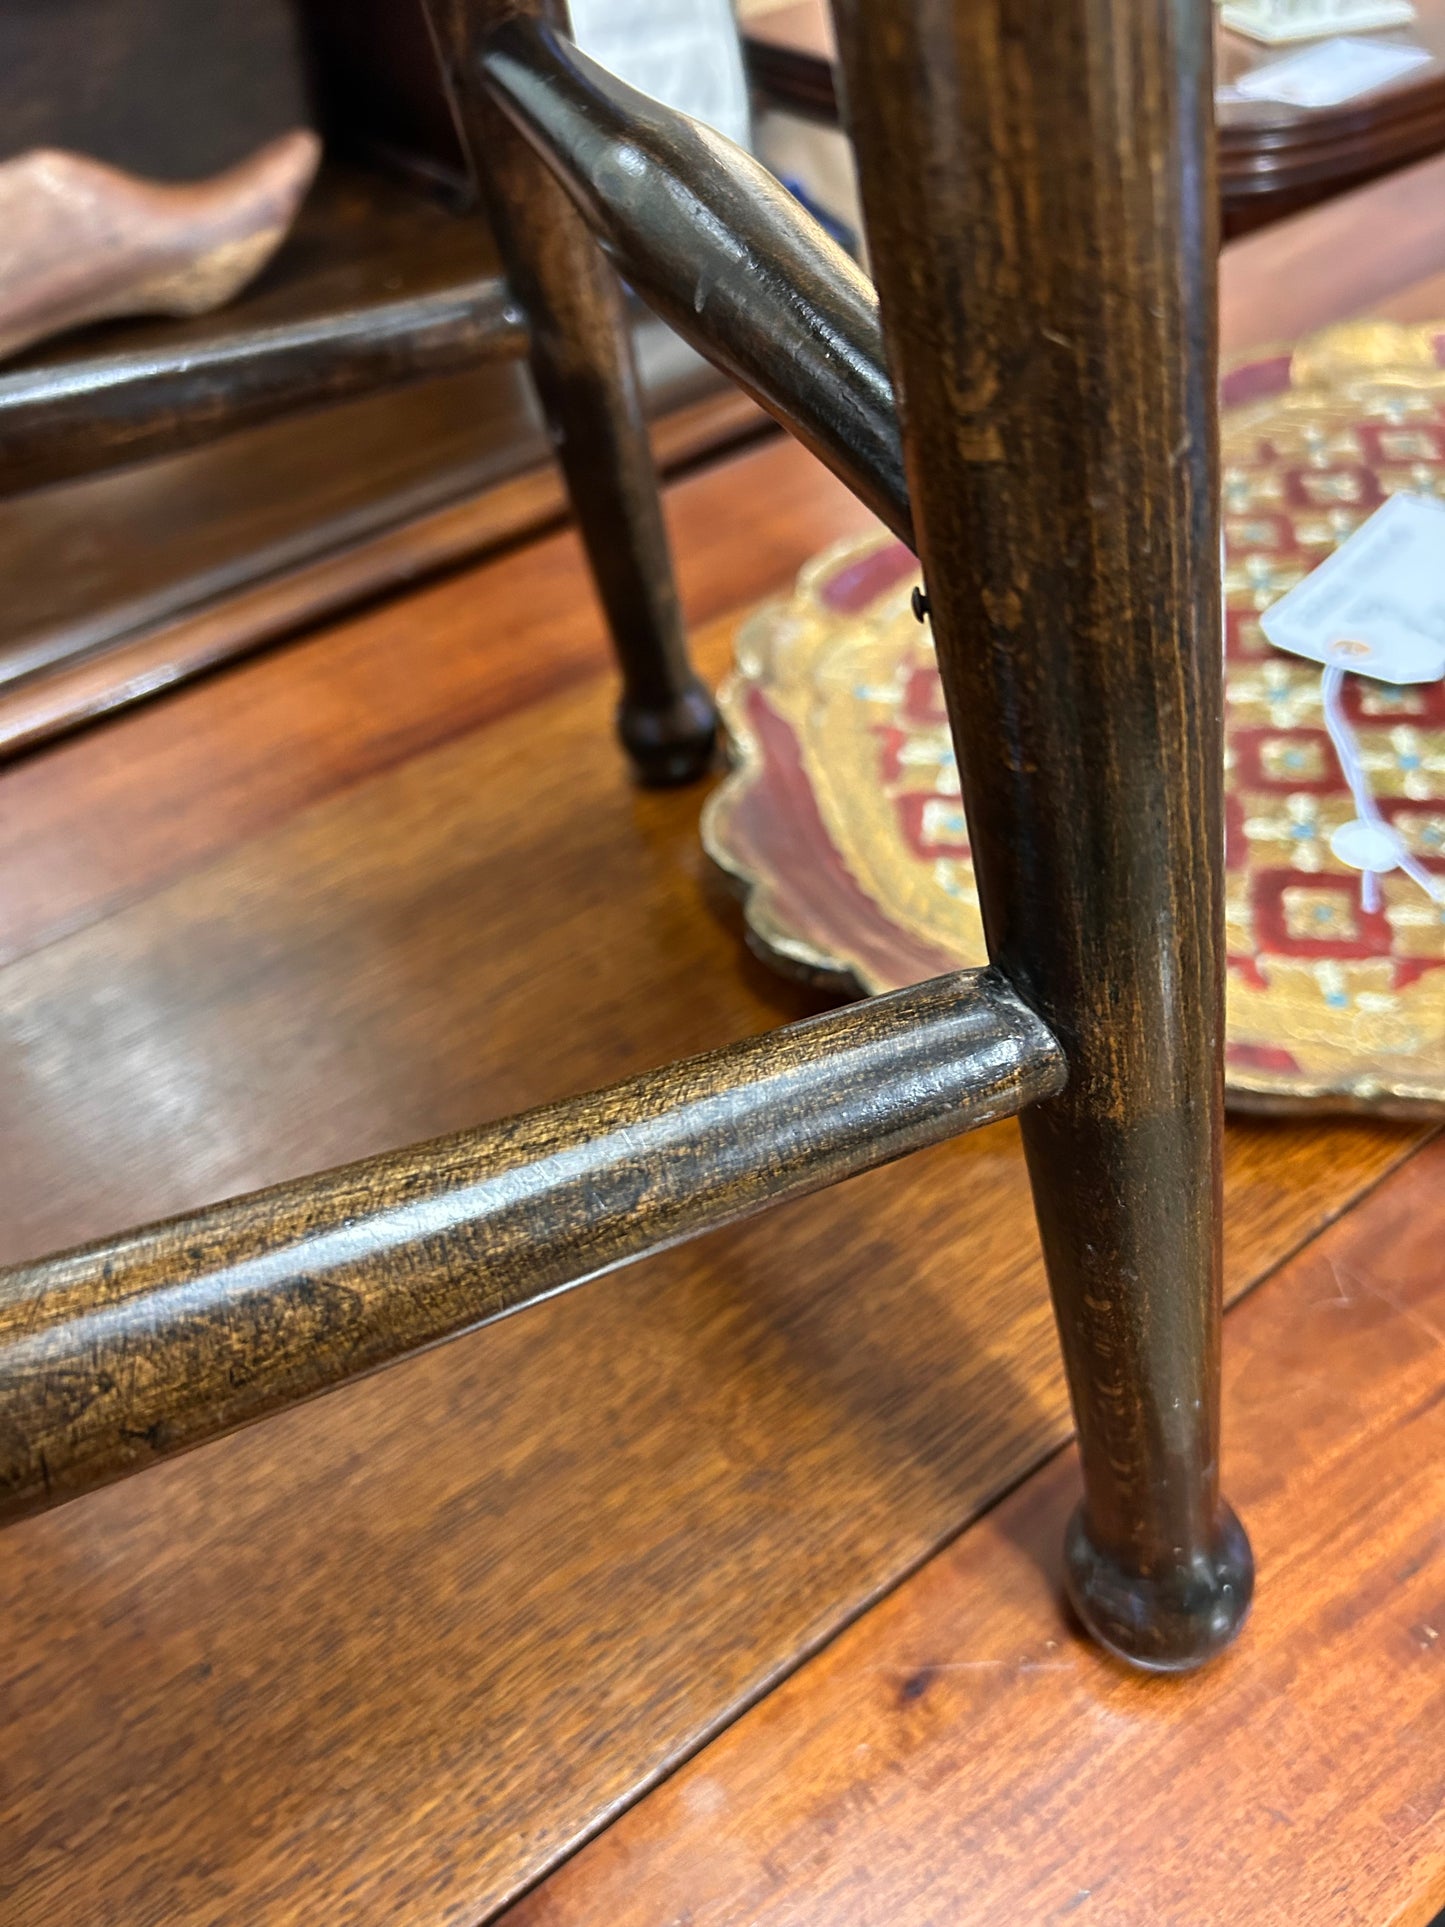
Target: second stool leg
[[582, 362], [1039, 195]]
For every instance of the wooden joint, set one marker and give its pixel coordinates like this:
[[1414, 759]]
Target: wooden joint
[[722, 252]]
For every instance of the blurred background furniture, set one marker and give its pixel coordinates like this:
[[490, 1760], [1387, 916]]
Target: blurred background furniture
[[126, 581], [1273, 159], [330, 899]]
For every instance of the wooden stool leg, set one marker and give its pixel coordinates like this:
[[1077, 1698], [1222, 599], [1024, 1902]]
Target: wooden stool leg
[[1038, 185], [582, 361]]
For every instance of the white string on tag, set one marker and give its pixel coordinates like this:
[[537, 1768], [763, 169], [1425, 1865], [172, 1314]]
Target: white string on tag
[[1376, 606], [1368, 843]]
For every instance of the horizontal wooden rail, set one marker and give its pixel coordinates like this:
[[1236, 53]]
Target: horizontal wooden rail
[[722, 252], [67, 418], [117, 1354]]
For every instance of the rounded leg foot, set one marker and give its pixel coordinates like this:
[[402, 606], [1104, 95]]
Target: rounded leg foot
[[1168, 1621], [671, 745]]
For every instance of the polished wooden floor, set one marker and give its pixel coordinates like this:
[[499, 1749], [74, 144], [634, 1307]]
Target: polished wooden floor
[[741, 1561]]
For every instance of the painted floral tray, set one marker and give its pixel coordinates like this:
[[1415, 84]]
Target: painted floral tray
[[841, 819]]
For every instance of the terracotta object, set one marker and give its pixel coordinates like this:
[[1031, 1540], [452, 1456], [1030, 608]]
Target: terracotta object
[[842, 819], [80, 241]]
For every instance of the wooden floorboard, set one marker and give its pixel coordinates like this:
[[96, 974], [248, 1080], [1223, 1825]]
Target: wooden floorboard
[[393, 1655], [105, 817], [963, 1754]]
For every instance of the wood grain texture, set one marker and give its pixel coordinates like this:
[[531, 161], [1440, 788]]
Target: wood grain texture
[[1050, 311], [132, 1349], [458, 498], [100, 565], [93, 823], [394, 1653], [962, 1754], [96, 564]]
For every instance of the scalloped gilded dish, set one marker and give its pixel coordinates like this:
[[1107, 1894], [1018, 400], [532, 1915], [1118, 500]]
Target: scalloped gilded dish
[[841, 819]]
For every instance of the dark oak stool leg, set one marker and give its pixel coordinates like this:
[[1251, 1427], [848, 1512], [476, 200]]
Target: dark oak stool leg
[[1038, 186], [582, 361]]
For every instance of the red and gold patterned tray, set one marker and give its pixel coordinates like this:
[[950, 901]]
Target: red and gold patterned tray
[[841, 819]]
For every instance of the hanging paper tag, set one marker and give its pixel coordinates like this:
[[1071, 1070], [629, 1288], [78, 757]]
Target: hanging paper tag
[[1330, 72], [1377, 605]]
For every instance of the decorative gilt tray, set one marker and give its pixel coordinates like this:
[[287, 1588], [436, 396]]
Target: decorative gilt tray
[[841, 820]]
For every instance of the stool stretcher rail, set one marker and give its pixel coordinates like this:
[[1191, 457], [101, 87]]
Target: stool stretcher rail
[[69, 418], [125, 1351]]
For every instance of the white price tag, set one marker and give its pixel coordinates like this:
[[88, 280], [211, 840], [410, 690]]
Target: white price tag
[[1377, 605], [1330, 72]]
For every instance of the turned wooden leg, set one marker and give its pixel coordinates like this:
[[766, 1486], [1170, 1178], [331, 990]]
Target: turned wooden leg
[[582, 361], [1038, 185]]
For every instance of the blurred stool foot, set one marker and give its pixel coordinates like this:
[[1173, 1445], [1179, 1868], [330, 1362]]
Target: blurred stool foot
[[674, 744]]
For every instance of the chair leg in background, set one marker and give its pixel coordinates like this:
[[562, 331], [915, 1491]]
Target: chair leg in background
[[581, 359]]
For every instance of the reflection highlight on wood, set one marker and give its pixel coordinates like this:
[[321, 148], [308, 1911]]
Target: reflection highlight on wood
[[83, 241], [146, 1344], [82, 415], [963, 1755], [720, 250], [394, 1652]]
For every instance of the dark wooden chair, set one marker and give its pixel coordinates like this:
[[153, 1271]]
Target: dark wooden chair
[[1040, 212]]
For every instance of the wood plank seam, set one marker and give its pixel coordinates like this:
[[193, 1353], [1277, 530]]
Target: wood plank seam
[[897, 1582]]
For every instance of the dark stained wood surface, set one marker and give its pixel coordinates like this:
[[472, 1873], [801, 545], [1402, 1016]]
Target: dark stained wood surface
[[83, 683], [720, 250], [92, 823], [390, 1656], [358, 239], [790, 53], [125, 564], [395, 1652], [964, 1755], [585, 373], [1051, 311], [138, 1347], [57, 424]]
